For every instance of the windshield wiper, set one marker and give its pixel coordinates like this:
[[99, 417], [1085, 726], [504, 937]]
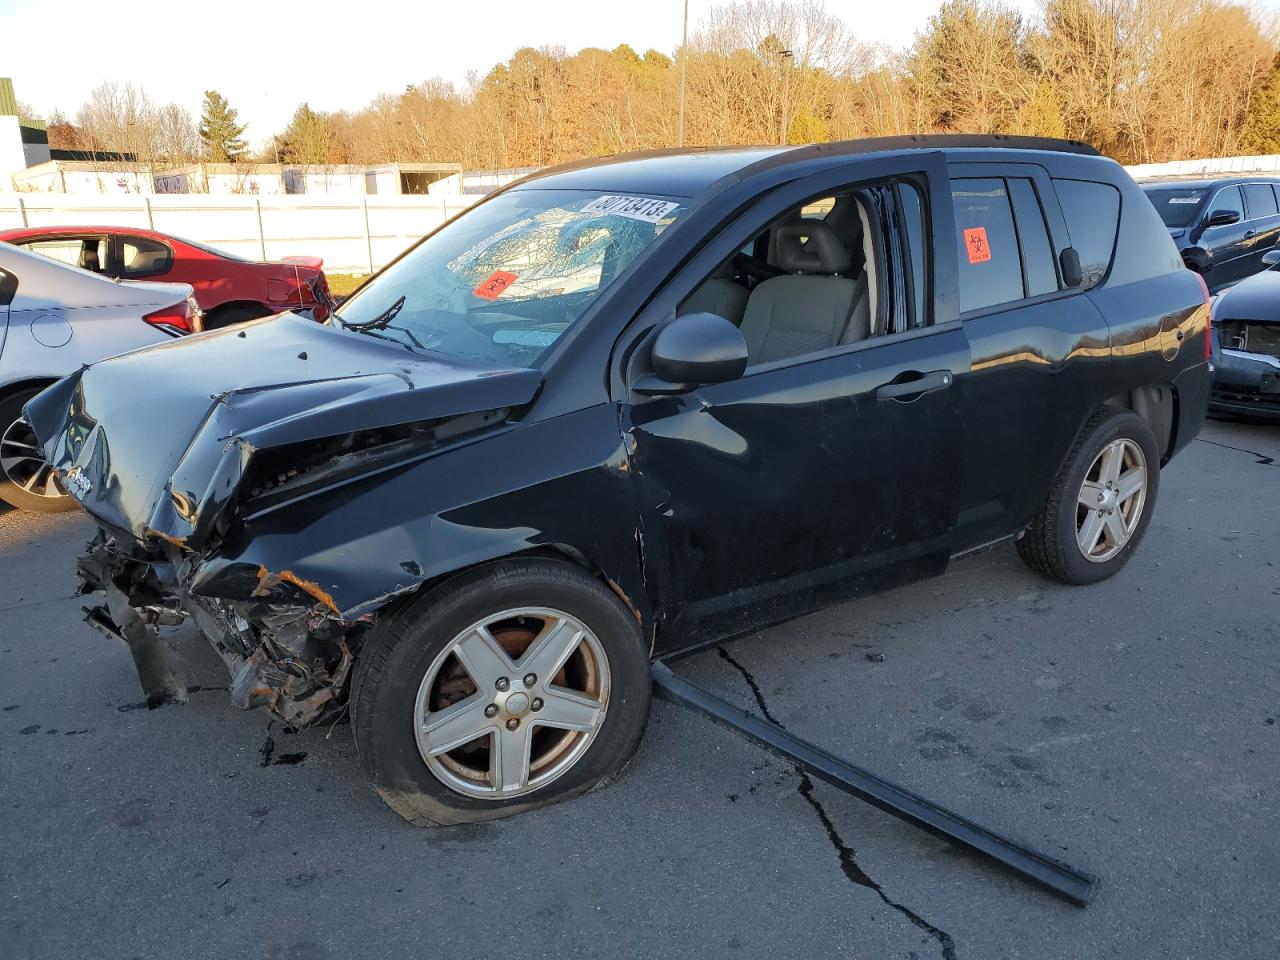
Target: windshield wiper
[[380, 322]]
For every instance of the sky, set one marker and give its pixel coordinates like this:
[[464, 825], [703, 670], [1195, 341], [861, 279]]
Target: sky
[[266, 56]]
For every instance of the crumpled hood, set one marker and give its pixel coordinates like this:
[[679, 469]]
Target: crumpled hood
[[157, 441], [1255, 298]]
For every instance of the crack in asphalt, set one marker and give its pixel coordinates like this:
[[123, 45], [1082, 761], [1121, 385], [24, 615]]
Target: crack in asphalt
[[1263, 459], [847, 855]]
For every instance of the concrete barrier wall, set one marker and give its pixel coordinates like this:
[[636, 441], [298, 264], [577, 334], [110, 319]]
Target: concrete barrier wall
[[352, 234]]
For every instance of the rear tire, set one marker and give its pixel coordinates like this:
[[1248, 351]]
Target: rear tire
[[26, 480], [1101, 503], [417, 673], [239, 313]]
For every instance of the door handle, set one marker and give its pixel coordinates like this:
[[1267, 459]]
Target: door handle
[[1250, 234], [916, 384]]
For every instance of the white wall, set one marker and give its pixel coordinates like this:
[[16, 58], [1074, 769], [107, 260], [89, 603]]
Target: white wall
[[352, 234], [1212, 166], [12, 156]]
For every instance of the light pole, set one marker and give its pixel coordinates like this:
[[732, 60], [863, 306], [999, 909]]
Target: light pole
[[684, 55], [784, 60]]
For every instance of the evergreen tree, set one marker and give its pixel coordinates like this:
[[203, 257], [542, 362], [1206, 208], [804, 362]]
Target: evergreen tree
[[220, 131], [308, 138]]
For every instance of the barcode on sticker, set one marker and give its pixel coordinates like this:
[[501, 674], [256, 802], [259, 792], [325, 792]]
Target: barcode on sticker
[[634, 208]]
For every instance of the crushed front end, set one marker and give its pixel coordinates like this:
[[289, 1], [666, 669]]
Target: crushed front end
[[1247, 368], [285, 648], [254, 502]]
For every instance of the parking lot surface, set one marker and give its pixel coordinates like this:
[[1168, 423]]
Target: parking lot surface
[[1131, 728]]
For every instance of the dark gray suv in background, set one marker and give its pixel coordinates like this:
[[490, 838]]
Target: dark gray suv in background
[[1222, 227]]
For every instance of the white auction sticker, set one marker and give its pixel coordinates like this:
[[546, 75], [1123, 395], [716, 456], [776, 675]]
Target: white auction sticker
[[633, 208]]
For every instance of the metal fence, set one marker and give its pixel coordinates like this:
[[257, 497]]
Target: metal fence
[[352, 234]]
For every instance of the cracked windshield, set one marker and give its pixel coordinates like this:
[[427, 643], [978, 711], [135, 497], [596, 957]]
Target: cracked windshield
[[505, 281]]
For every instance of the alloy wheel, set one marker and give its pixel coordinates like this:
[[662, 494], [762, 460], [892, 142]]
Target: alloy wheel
[[24, 465], [512, 702], [1111, 499]]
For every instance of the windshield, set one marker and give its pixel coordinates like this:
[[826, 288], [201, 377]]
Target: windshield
[[1177, 207], [505, 281]]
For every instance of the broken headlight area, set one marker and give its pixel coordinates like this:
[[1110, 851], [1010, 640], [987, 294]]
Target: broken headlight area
[[282, 473], [285, 648]]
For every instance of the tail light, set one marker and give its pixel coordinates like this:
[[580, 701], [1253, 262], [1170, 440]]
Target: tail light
[[1208, 316], [174, 320]]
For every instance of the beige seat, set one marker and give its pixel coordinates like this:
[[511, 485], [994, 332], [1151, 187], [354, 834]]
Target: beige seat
[[719, 294], [809, 309]]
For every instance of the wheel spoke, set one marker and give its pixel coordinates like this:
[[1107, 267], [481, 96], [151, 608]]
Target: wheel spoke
[[1130, 483], [1090, 494], [1116, 529], [568, 710], [1112, 462], [509, 758], [551, 649], [483, 658], [1090, 531], [456, 724]]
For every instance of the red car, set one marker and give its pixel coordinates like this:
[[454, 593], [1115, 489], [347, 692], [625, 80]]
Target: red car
[[227, 288]]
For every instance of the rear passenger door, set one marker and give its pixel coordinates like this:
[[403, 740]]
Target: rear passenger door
[[1039, 351], [1263, 227]]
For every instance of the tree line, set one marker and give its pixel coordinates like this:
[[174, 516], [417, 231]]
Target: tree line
[[1142, 80]]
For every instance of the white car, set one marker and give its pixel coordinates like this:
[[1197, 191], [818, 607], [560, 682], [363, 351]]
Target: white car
[[54, 319]]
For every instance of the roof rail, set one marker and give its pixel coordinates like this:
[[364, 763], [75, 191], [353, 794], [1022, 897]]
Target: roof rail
[[943, 140]]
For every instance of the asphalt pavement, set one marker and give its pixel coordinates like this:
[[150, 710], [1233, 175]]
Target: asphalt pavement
[[1131, 728]]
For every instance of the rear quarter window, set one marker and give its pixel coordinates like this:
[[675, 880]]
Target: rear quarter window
[[1092, 211]]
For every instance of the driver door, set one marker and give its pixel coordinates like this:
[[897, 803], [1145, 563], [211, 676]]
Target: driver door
[[810, 478]]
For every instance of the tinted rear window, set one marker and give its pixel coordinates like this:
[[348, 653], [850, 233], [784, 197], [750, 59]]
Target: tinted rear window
[[1260, 200], [990, 268], [1092, 211], [1177, 206]]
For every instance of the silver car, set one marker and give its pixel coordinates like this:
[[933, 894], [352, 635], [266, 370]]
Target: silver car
[[54, 319]]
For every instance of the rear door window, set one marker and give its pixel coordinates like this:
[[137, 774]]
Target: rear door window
[[143, 257], [1260, 200], [990, 268], [1092, 211], [1033, 236]]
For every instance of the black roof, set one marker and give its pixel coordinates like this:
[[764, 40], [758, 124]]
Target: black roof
[[687, 172]]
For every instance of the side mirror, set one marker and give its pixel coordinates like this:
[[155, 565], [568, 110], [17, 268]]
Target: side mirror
[[1072, 272], [1271, 258], [1220, 218], [693, 349]]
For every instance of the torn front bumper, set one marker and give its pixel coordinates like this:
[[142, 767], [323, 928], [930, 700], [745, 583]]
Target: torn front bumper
[[284, 649], [1246, 383]]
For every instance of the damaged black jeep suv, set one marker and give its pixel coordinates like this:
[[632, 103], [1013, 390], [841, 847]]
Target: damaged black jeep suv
[[625, 408]]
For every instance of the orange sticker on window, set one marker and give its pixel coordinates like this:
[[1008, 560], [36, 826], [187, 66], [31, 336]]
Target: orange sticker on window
[[975, 244], [492, 288]]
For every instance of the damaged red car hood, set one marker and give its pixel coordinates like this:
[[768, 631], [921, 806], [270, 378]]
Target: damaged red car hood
[[156, 441]]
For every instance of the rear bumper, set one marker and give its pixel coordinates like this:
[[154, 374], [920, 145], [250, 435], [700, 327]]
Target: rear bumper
[[1246, 384], [1192, 389]]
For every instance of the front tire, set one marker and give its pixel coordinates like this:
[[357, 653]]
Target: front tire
[[26, 479], [504, 689], [1101, 503]]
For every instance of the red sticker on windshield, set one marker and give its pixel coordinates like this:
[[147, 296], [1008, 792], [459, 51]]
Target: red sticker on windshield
[[492, 288], [975, 244]]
